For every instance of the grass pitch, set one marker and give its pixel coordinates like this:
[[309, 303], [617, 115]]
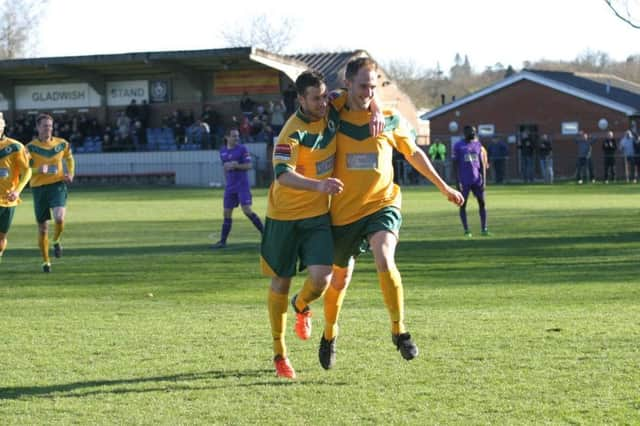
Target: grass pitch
[[141, 323]]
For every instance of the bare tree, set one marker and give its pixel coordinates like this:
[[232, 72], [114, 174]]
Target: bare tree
[[626, 10], [18, 19], [261, 33]]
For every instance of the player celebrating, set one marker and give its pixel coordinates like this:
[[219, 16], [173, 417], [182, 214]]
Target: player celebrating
[[469, 168], [368, 210], [297, 228], [14, 175], [49, 184], [236, 161]]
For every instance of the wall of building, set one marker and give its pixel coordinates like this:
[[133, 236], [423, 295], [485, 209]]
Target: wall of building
[[526, 102]]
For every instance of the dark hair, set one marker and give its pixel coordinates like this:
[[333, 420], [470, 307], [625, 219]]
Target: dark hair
[[354, 66], [43, 117], [309, 78]]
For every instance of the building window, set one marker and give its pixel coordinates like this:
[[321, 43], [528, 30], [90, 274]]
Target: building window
[[486, 129], [570, 128]]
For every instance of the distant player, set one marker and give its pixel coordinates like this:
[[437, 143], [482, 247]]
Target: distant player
[[49, 184], [367, 211], [469, 165], [236, 161], [14, 175]]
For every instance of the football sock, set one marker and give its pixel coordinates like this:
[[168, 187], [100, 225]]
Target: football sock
[[483, 214], [307, 295], [57, 232], [256, 221], [43, 243], [332, 304], [393, 294], [3, 247], [278, 304], [226, 228]]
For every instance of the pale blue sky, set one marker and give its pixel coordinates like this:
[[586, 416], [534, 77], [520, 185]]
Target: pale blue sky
[[426, 31]]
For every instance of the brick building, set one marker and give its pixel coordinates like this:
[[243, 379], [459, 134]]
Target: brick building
[[559, 104]]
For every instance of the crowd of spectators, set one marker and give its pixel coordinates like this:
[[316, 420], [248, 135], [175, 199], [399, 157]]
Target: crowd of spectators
[[130, 131]]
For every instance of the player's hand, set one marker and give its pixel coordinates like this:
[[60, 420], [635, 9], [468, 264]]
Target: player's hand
[[12, 196], [376, 124], [454, 196], [68, 178], [330, 186]]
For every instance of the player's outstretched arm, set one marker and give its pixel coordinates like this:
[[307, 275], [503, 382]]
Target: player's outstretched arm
[[295, 180], [421, 163]]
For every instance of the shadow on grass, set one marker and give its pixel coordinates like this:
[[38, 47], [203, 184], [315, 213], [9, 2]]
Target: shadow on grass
[[77, 389], [127, 251]]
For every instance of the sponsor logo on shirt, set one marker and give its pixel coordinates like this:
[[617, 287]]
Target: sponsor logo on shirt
[[471, 157], [362, 161], [325, 166], [282, 152], [52, 170], [4, 173]]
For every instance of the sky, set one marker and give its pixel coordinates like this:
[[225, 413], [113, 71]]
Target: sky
[[426, 33]]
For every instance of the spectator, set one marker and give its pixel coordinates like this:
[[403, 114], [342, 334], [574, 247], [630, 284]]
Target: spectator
[[584, 143], [527, 150], [438, 156], [144, 114], [123, 124], [289, 97], [609, 148], [247, 105], [626, 146], [546, 158], [277, 111], [498, 151], [132, 111]]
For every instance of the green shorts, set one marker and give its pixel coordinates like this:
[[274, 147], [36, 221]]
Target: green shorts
[[6, 217], [46, 197], [287, 242], [351, 240]]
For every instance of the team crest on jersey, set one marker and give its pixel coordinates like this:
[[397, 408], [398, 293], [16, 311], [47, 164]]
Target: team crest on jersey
[[282, 152], [58, 148], [8, 150], [331, 125]]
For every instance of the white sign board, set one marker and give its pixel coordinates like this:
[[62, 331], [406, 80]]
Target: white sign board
[[123, 92], [50, 96]]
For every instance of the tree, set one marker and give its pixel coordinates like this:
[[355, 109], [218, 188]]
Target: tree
[[261, 33], [18, 18], [626, 11]]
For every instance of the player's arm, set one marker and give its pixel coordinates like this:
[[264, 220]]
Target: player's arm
[[338, 99], [25, 175], [295, 180], [421, 163], [245, 163], [484, 165], [71, 168]]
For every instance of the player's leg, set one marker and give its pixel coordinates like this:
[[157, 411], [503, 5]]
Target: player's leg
[[43, 244], [278, 259], [478, 192], [316, 251], [245, 204], [383, 245], [333, 299], [6, 217], [58, 218], [464, 190], [278, 303], [43, 215], [231, 201]]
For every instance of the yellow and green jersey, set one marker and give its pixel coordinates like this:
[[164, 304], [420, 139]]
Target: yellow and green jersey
[[307, 147], [51, 153], [365, 165], [13, 164]]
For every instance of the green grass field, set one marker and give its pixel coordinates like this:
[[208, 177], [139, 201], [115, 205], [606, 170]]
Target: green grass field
[[140, 323]]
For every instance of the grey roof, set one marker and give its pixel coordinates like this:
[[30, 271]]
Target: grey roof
[[603, 85], [609, 91], [330, 64]]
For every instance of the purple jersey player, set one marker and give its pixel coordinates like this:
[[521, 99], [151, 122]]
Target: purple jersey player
[[236, 162], [469, 165]]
